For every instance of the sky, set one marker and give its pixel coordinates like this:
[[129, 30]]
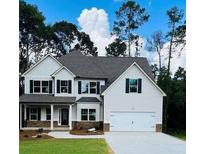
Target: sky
[[70, 10], [96, 18]]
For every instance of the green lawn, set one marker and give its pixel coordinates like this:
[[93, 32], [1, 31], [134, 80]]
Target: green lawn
[[64, 146], [181, 135]]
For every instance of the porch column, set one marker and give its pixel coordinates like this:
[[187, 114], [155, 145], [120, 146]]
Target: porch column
[[70, 117], [25, 113], [51, 116], [20, 111]]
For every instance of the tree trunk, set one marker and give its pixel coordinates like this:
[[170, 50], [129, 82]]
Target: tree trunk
[[160, 63]]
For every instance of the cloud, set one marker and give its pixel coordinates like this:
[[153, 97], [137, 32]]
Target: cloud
[[95, 23]]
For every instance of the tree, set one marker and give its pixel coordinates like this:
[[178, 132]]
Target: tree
[[155, 44], [64, 36], [129, 18], [31, 25], [86, 45], [180, 35], [174, 18], [116, 48]]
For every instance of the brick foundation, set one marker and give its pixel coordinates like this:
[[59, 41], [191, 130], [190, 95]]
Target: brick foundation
[[41, 124], [158, 127], [106, 127], [87, 125]]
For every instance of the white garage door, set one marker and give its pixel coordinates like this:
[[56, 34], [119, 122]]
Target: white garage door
[[132, 121]]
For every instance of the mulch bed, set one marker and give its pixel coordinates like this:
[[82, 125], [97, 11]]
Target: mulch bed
[[27, 135], [86, 132]]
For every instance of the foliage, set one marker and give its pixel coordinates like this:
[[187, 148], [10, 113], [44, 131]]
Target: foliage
[[129, 17], [175, 102], [116, 48], [30, 28]]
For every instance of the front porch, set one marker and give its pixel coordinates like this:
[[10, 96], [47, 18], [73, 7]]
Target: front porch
[[49, 117], [45, 111]]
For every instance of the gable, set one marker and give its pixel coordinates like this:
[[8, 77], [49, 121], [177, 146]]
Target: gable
[[63, 73], [45, 67], [134, 72]]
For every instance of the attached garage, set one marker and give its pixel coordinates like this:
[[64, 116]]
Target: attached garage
[[132, 121]]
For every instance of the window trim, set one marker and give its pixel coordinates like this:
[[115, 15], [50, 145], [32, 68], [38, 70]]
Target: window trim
[[88, 114], [41, 86], [33, 114]]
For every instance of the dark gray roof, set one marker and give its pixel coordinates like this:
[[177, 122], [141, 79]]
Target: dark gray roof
[[109, 68], [50, 99], [88, 99]]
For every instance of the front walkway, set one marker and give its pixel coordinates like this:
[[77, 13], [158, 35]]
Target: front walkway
[[66, 134], [144, 143]]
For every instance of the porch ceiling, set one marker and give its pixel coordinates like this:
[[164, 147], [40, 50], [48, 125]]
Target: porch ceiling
[[44, 98]]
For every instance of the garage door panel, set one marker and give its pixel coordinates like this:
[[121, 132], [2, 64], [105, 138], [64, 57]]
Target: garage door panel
[[132, 121]]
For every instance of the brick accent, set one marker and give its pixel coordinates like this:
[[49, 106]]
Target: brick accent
[[41, 124], [158, 127], [106, 127], [86, 124]]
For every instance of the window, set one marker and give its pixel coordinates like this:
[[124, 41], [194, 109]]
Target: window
[[45, 88], [93, 87], [64, 86], [37, 86], [133, 85], [88, 87], [40, 86], [88, 114], [33, 114], [92, 114], [48, 114], [84, 114], [84, 87]]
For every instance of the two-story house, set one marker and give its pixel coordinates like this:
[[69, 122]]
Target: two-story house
[[80, 92]]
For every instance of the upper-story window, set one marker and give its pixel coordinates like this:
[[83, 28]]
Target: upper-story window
[[86, 87], [39, 86], [64, 86], [133, 86]]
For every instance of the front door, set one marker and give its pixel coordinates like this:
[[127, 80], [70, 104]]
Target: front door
[[64, 117]]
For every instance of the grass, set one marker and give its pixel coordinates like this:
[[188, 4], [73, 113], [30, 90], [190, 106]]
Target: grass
[[180, 135], [64, 146]]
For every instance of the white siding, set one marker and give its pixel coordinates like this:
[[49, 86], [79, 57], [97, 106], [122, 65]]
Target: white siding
[[42, 71], [64, 75], [150, 100]]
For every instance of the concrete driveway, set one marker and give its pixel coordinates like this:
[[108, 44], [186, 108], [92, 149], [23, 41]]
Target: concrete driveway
[[144, 143]]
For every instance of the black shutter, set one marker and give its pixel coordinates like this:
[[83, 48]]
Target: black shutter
[[79, 87], [39, 114], [69, 86], [139, 85], [98, 87], [58, 86], [50, 86], [27, 113], [31, 86], [127, 86]]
